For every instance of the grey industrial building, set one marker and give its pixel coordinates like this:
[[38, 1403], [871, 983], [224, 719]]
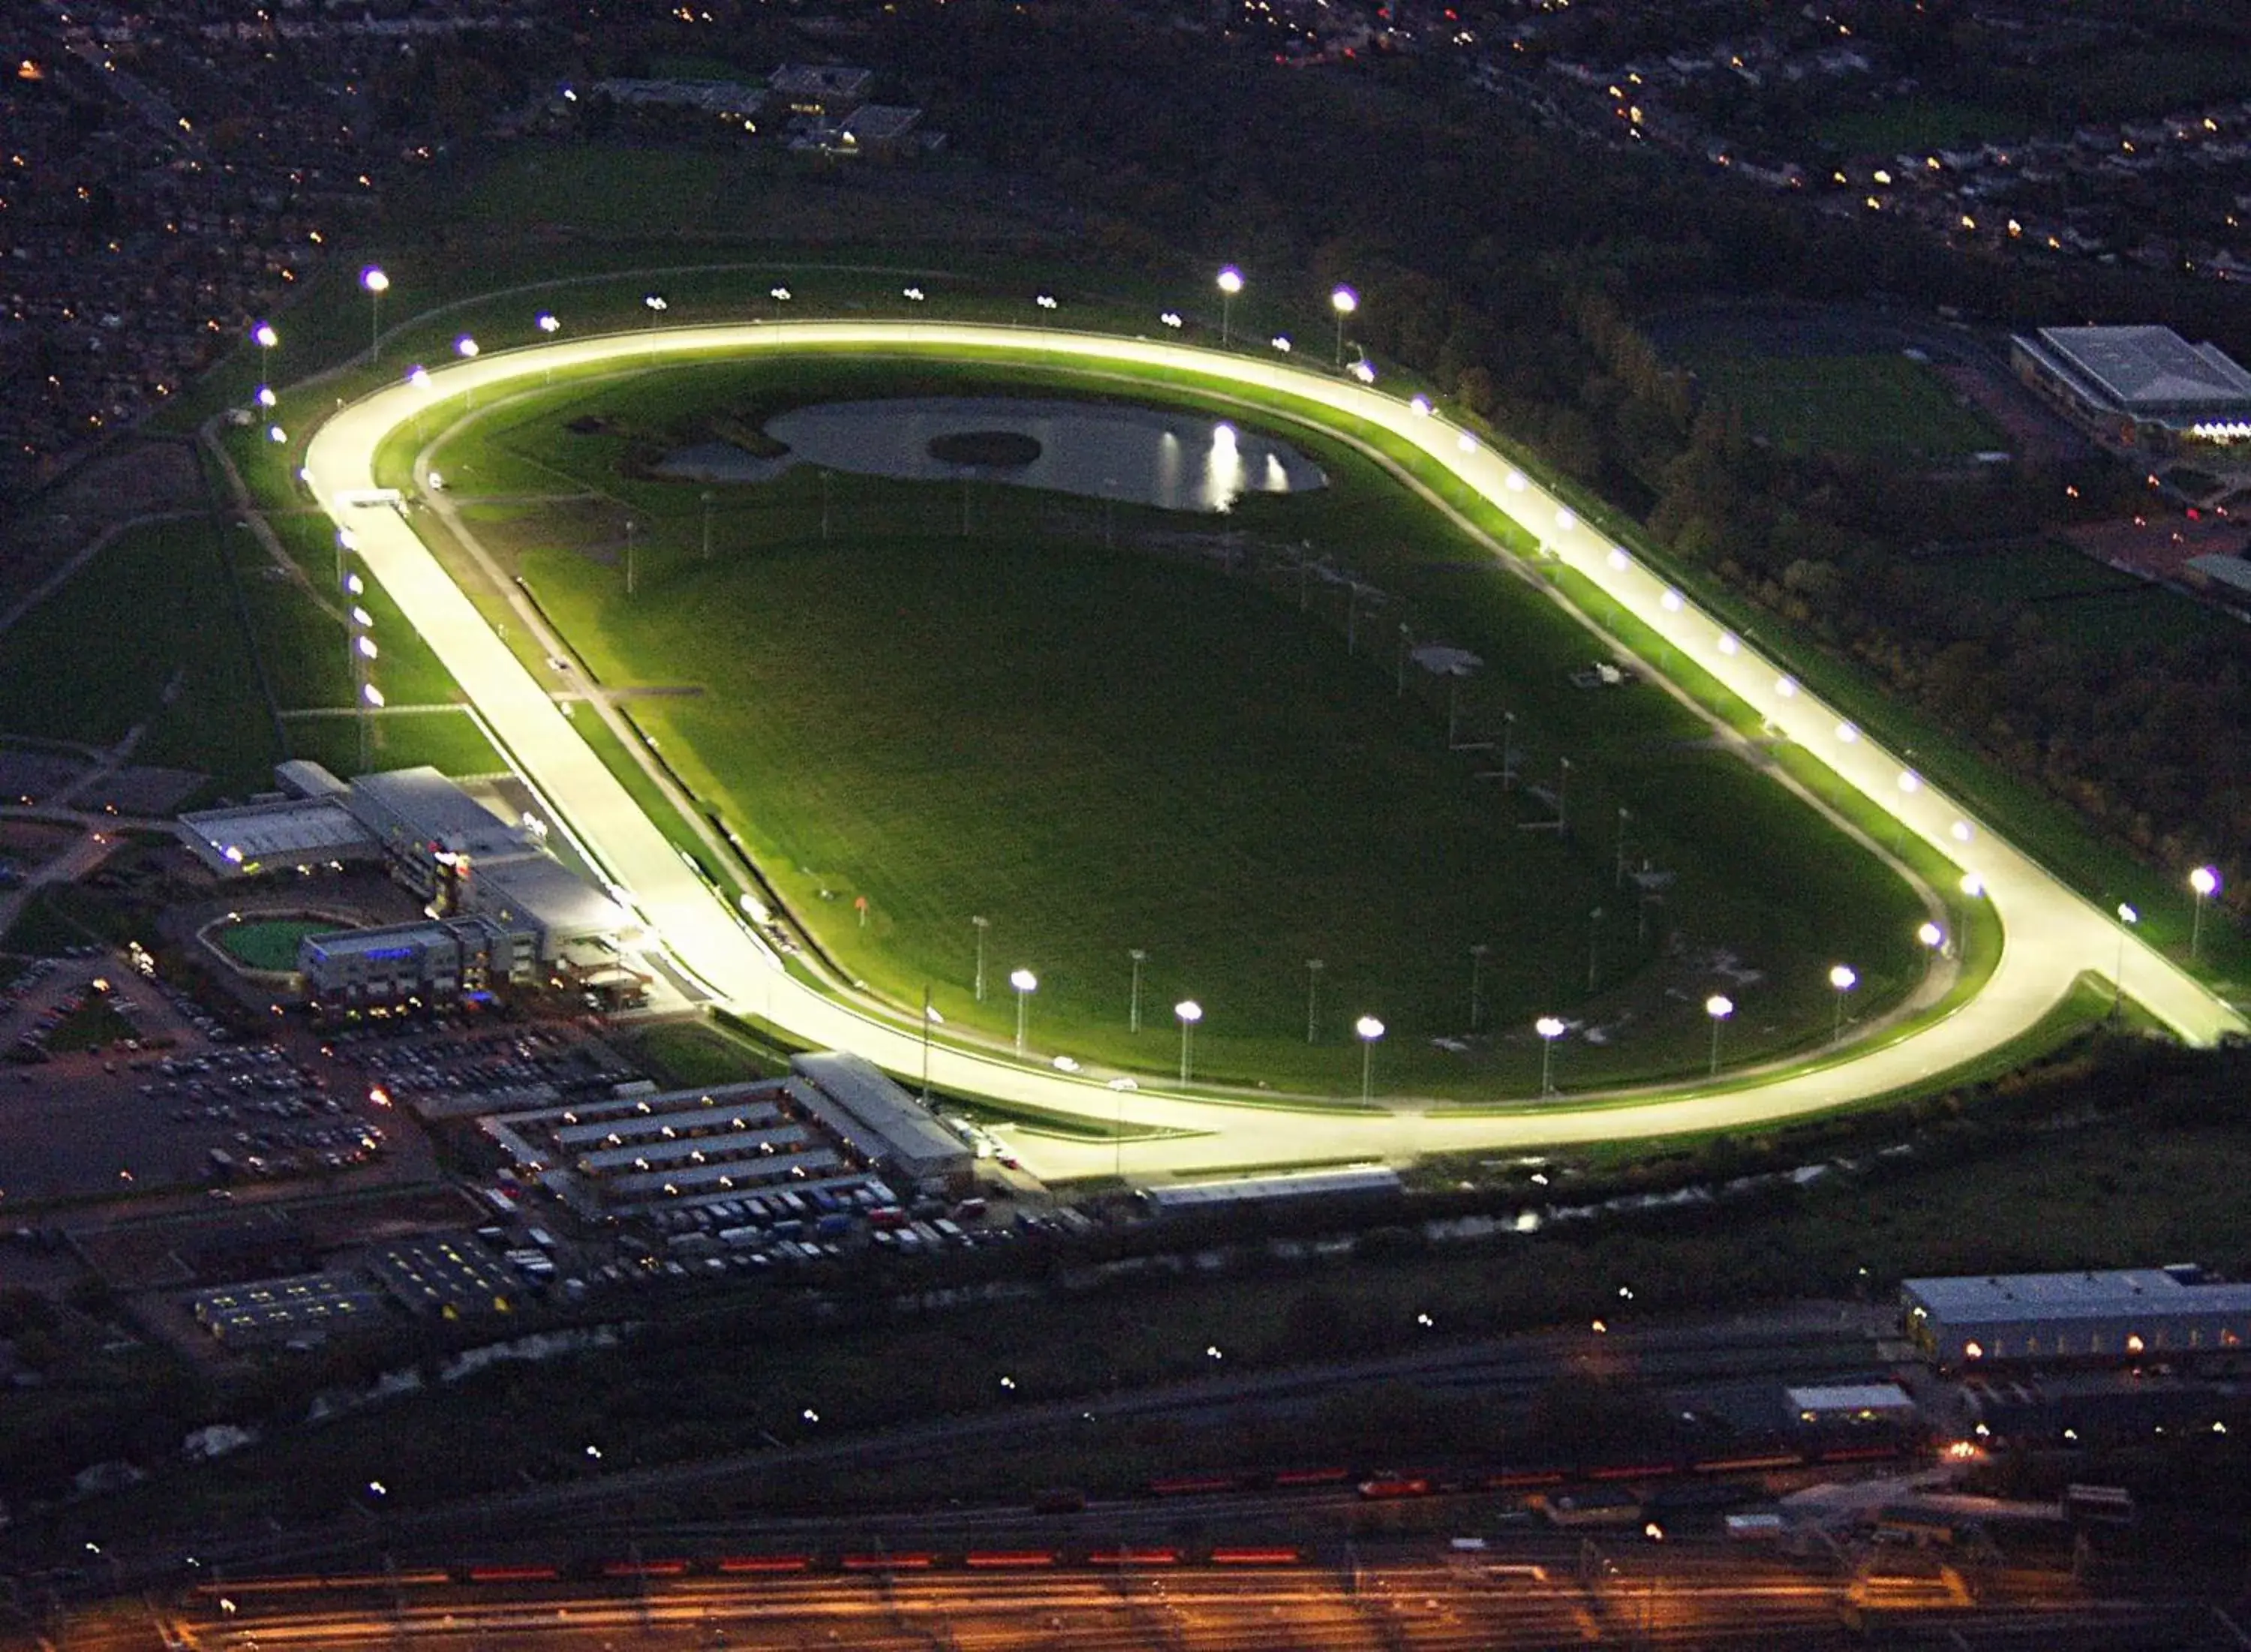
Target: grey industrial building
[[2118, 1317]]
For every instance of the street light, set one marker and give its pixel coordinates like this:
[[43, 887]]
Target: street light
[[1190, 1013], [1344, 301], [1841, 977], [1477, 955], [1026, 984], [980, 925], [2127, 919], [1314, 968], [1930, 935], [930, 1018], [377, 284], [654, 304], [1140, 956], [547, 323], [1230, 283], [1550, 1027], [1370, 1030], [1719, 1006], [2205, 883]]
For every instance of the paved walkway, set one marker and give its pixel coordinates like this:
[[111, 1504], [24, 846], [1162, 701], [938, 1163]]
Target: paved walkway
[[2052, 936]]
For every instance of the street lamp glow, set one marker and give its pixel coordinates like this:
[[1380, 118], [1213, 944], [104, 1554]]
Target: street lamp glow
[[1550, 1027], [547, 323], [266, 396], [912, 294], [1728, 643], [377, 284], [2204, 883], [1930, 935], [465, 347], [1230, 283], [366, 645], [1045, 301], [1189, 1013], [1565, 520], [1910, 782], [1786, 688], [1846, 733], [275, 434], [1972, 885], [1670, 601], [1368, 1029], [1719, 1006], [418, 376], [1618, 560], [1281, 343], [264, 335], [1026, 984], [1844, 979], [1170, 318], [372, 694], [1420, 406]]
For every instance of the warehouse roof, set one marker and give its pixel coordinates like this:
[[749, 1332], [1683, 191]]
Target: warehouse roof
[[2150, 371], [2082, 1295]]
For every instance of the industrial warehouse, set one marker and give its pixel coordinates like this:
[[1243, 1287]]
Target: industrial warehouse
[[2114, 1318]]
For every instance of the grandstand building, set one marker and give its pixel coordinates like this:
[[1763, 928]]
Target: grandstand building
[[2146, 388], [500, 908]]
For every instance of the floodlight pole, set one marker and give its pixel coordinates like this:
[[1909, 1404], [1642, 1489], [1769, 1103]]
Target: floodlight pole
[[1139, 955], [981, 925], [1314, 968]]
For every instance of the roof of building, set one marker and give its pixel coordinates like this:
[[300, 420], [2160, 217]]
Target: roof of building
[[2082, 1295], [820, 80], [443, 1273], [1320, 1183], [2221, 569], [545, 892], [1852, 1396], [279, 1307], [916, 1139], [303, 777], [422, 806], [400, 940], [293, 832], [880, 122], [2151, 370]]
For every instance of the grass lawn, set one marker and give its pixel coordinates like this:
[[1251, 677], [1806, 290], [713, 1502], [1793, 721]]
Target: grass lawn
[[1847, 404], [2078, 600], [269, 943], [74, 668], [1099, 748]]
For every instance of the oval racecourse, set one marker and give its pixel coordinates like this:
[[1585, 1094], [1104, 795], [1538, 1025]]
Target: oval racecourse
[[2051, 937]]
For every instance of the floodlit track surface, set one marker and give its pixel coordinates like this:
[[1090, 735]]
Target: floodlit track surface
[[2052, 935]]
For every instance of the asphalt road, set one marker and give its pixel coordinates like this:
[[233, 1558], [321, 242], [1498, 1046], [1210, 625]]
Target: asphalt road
[[2052, 936]]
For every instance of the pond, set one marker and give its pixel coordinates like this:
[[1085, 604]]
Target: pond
[[1136, 455]]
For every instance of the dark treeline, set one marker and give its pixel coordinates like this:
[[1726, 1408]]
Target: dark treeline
[[1512, 267], [1515, 267]]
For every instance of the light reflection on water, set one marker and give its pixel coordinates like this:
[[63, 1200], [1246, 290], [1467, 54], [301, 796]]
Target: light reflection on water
[[1137, 455]]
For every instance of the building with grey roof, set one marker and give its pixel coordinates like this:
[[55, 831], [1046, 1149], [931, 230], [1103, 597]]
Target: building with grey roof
[[888, 1126], [2141, 387], [2116, 1316], [308, 1306]]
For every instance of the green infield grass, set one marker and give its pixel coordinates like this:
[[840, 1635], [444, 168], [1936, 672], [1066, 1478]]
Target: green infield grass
[[1847, 404], [269, 943], [1097, 728]]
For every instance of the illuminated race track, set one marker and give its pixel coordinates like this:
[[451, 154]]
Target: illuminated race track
[[2051, 935]]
